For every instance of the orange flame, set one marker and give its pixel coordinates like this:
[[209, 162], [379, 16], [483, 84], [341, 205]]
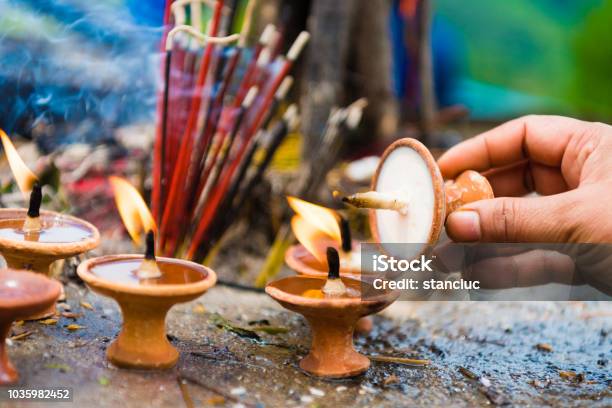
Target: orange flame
[[132, 208], [23, 175], [312, 224]]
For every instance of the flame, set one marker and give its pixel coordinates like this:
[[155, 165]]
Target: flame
[[132, 208], [23, 175], [312, 225]]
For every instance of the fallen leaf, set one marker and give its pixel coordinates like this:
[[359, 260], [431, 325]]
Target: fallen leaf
[[567, 374], [216, 400], [73, 327], [21, 336], [392, 379], [399, 360], [103, 381], [260, 322], [544, 347], [468, 373], [72, 315], [225, 324], [199, 309], [48, 322], [572, 376], [270, 329], [87, 305], [59, 366]]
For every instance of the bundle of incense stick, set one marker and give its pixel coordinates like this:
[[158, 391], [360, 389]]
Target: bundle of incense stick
[[218, 102]]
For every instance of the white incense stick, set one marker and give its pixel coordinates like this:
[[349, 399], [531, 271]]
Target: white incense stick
[[267, 34], [283, 88], [378, 201], [298, 45], [202, 38], [246, 22]]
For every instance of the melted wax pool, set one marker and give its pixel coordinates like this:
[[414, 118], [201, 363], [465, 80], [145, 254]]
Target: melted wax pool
[[54, 231], [124, 272]]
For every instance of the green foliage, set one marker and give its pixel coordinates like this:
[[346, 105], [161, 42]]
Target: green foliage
[[556, 52], [592, 86]]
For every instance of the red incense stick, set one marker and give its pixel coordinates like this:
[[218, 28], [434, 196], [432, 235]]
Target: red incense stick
[[225, 181], [245, 84], [292, 55], [212, 121], [187, 141], [200, 146], [198, 175], [160, 139], [219, 162]]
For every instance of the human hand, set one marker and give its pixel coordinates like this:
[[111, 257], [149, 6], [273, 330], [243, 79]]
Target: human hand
[[568, 162]]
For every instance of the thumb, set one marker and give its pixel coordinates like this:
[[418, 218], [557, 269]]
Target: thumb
[[506, 219]]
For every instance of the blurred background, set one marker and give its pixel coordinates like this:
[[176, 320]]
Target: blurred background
[[80, 82]]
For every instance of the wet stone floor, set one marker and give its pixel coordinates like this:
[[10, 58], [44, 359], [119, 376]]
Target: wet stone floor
[[480, 353]]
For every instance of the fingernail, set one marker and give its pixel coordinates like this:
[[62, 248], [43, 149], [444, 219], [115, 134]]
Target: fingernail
[[464, 225]]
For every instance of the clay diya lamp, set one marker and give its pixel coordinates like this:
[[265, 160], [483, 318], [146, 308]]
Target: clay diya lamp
[[145, 294], [317, 228], [332, 307], [145, 287], [22, 294], [409, 201], [34, 239]]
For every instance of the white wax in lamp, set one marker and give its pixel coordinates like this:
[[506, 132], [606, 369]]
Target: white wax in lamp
[[405, 167]]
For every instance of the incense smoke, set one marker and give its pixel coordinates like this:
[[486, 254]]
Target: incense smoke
[[75, 71]]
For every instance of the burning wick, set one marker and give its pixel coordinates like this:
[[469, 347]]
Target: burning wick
[[377, 201], [334, 286], [349, 260], [345, 234], [32, 222], [148, 268]]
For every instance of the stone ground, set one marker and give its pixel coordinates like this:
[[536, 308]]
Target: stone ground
[[481, 353]]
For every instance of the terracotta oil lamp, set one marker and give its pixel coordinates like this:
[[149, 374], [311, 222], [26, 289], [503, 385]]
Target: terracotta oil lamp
[[32, 238], [22, 294], [332, 308], [145, 287], [409, 201], [318, 228], [144, 303]]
